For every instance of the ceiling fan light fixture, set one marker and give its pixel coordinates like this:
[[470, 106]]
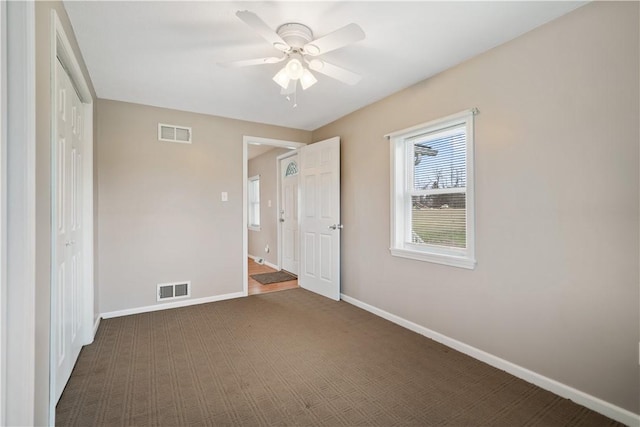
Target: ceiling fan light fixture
[[294, 69], [282, 78], [307, 79], [300, 50]]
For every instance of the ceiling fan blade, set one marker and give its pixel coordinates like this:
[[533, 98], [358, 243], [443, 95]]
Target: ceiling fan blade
[[248, 62], [335, 40], [259, 26], [335, 72]]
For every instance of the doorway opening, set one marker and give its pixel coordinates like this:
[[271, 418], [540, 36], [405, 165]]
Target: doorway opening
[[257, 269], [266, 210]]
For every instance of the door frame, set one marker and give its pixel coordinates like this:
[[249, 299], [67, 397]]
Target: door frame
[[19, 194], [246, 141], [3, 206], [61, 49], [279, 200]]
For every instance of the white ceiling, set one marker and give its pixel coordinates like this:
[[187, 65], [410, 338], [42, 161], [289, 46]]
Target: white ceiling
[[166, 53]]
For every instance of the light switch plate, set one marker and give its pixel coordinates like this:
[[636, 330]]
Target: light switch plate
[[224, 196]]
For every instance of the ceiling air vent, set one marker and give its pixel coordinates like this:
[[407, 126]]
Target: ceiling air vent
[[169, 291], [172, 133]]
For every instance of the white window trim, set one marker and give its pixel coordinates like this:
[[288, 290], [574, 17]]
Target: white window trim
[[464, 258], [252, 227]]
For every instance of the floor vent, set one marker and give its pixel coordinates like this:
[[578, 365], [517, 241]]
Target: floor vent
[[169, 291], [172, 133]]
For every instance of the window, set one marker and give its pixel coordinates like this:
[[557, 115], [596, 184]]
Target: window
[[292, 169], [253, 194], [432, 191]]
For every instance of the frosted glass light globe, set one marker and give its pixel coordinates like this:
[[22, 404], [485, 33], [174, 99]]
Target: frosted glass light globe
[[294, 69]]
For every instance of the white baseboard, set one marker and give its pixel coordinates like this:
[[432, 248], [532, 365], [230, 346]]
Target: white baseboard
[[168, 305], [275, 267], [96, 324], [267, 263], [605, 408]]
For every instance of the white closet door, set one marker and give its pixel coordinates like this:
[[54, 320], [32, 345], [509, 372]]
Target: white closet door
[[67, 289]]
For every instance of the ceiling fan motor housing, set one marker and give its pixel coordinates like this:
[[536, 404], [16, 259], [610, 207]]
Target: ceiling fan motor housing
[[296, 35]]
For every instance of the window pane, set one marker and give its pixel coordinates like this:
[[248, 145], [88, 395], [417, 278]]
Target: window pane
[[439, 159], [253, 190], [254, 217], [439, 219], [292, 169], [253, 196]]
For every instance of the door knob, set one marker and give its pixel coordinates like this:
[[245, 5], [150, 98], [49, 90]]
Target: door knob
[[70, 242], [336, 226]]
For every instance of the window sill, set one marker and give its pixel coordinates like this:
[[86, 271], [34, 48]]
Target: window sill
[[454, 261], [252, 228]]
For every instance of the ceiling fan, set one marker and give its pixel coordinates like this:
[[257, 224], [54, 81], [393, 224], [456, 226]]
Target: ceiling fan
[[301, 52]]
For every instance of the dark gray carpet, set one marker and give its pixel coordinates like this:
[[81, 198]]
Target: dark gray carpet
[[292, 358], [275, 277]]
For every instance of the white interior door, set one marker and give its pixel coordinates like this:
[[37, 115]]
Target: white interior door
[[320, 218], [67, 290], [288, 215]]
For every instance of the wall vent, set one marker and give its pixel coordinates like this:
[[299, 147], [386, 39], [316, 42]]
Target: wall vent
[[177, 290], [172, 133]]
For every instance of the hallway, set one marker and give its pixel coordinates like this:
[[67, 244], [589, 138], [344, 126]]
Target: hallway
[[258, 288]]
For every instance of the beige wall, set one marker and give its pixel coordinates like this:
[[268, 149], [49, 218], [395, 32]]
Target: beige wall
[[160, 215], [556, 285], [265, 166], [43, 192]]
